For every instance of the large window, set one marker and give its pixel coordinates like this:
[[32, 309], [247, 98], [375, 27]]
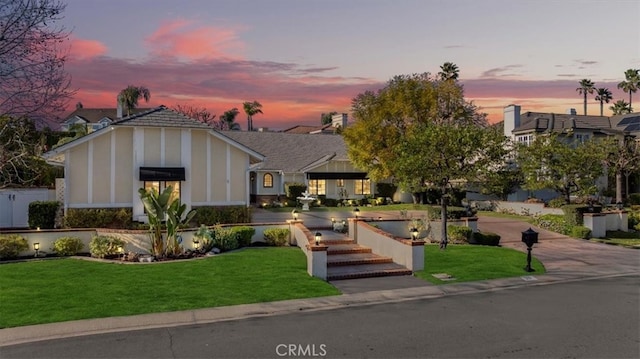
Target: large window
[[267, 180], [525, 140], [160, 186], [339, 183], [317, 187], [362, 186], [582, 138]]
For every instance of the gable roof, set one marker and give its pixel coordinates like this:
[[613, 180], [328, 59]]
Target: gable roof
[[629, 122], [291, 152], [540, 122], [93, 115], [161, 117]]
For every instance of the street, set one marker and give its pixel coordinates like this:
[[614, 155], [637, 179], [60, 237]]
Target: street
[[596, 318]]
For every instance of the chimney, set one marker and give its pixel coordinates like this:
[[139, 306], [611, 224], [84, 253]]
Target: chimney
[[511, 117], [339, 120], [119, 107], [571, 111]]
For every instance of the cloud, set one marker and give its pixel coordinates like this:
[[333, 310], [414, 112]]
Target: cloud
[[453, 47], [586, 62], [81, 49], [500, 71], [189, 40]]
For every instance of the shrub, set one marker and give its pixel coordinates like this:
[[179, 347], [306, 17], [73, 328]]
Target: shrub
[[634, 198], [67, 246], [386, 189], [486, 238], [294, 190], [224, 239], [205, 236], [459, 234], [11, 245], [452, 212], [221, 214], [553, 222], [104, 246], [276, 236], [580, 232], [43, 214], [557, 202], [99, 218], [331, 202], [573, 213], [633, 219], [244, 235]]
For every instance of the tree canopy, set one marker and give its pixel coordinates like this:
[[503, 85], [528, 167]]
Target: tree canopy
[[251, 108], [130, 96]]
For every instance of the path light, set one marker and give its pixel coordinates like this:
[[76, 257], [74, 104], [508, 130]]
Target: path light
[[36, 247], [356, 212], [414, 233], [529, 237], [121, 251], [294, 213], [196, 243], [318, 238]]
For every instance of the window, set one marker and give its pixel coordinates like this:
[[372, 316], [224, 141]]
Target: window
[[267, 180], [317, 187], [525, 140], [362, 186], [582, 138], [160, 186], [339, 183]]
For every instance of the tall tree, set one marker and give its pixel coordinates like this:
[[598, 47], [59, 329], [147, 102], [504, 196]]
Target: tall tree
[[251, 108], [631, 84], [586, 87], [130, 96], [197, 113], [228, 120], [448, 71], [33, 81], [623, 158], [421, 132], [620, 107], [327, 118], [557, 162], [20, 147], [603, 95]]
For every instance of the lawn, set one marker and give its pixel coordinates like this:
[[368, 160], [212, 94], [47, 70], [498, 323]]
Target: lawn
[[504, 215], [471, 263], [58, 290], [626, 239]]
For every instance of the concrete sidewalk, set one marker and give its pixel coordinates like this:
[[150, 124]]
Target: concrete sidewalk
[[565, 259]]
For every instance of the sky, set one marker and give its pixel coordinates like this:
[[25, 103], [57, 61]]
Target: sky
[[302, 58]]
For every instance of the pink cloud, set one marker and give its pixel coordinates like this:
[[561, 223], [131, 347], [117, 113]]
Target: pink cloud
[[82, 49], [187, 39]]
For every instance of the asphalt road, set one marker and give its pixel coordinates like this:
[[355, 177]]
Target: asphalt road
[[596, 318]]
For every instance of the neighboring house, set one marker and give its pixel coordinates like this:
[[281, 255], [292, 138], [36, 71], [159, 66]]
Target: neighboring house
[[156, 148], [318, 160], [523, 127], [338, 122], [95, 118]]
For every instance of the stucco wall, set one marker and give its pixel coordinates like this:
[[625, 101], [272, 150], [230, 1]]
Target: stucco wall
[[123, 165]]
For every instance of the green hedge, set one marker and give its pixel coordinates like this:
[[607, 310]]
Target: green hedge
[[294, 190], [221, 215], [580, 232], [121, 218], [486, 238], [459, 234], [634, 198], [11, 245], [43, 214], [105, 246], [573, 213], [386, 189], [435, 212], [553, 222], [67, 246], [276, 236], [244, 234]]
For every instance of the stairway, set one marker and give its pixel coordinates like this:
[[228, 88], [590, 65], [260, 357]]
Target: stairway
[[349, 260]]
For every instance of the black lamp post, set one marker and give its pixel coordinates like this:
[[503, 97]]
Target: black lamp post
[[414, 233], [356, 212], [529, 237], [294, 213], [318, 237]]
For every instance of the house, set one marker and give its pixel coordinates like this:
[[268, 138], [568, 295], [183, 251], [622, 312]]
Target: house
[[95, 118], [155, 148], [318, 160], [523, 127], [338, 122]]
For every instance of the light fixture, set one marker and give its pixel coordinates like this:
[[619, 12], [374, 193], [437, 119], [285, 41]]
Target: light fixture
[[318, 238], [196, 243], [38, 228], [333, 219], [356, 212], [414, 233], [294, 213], [36, 247], [121, 251]]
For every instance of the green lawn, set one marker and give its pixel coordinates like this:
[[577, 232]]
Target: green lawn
[[48, 291], [470, 263], [504, 215], [626, 239]]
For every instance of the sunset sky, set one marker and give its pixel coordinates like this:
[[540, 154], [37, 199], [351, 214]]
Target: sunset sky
[[300, 58]]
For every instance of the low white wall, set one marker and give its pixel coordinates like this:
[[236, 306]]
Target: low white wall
[[597, 223], [527, 209], [316, 255], [400, 227], [405, 252], [47, 237], [617, 221]]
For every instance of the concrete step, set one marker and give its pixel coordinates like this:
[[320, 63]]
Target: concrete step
[[335, 242], [356, 259], [346, 249], [366, 271]]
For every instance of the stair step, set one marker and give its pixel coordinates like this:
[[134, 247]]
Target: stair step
[[366, 271], [356, 259], [347, 249], [337, 242]]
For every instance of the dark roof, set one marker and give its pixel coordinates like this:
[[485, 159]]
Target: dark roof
[[291, 152], [540, 122], [627, 123], [308, 129], [93, 115], [161, 117]]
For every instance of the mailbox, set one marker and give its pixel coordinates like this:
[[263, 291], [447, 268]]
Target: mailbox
[[529, 237]]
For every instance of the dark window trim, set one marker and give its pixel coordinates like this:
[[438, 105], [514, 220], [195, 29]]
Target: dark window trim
[[264, 180], [162, 174]]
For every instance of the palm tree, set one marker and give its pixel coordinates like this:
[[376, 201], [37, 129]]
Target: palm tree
[[227, 120], [251, 108], [586, 86], [620, 107], [449, 71], [604, 96], [129, 97], [631, 83]]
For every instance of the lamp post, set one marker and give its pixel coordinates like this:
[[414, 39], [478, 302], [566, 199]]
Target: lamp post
[[36, 247], [529, 237], [356, 212], [121, 251], [318, 238], [414, 233], [294, 213], [196, 243]]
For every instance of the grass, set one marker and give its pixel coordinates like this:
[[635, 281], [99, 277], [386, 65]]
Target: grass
[[504, 215], [49, 291], [626, 239], [471, 263]]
